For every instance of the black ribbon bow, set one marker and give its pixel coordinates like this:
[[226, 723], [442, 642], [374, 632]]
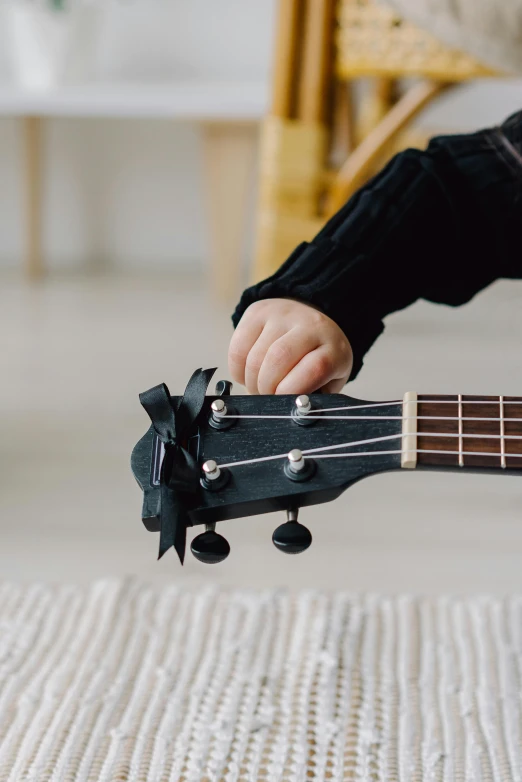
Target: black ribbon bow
[[179, 477]]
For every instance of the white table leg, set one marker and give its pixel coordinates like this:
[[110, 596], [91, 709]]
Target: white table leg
[[33, 171], [230, 158]]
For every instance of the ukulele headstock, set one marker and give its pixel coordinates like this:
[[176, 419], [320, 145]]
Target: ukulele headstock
[[259, 454]]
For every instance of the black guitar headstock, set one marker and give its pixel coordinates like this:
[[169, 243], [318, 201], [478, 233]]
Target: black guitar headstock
[[258, 454]]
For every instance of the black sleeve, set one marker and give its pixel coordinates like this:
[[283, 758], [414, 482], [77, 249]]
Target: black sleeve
[[439, 224]]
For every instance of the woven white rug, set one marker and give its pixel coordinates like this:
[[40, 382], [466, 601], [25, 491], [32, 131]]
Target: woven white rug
[[121, 681]]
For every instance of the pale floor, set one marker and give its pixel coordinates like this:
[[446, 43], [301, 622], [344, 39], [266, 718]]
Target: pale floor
[[75, 353]]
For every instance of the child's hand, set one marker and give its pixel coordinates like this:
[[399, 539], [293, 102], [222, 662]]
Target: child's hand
[[283, 346]]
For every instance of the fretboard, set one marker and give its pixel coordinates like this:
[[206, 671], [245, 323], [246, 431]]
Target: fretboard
[[469, 432]]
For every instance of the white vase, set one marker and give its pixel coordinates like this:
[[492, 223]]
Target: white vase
[[51, 47]]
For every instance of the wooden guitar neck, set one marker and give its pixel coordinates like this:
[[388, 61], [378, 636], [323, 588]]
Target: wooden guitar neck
[[462, 431]]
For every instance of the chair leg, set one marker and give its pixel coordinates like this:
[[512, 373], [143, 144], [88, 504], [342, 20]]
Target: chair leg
[[33, 169], [230, 158], [291, 180], [286, 57], [316, 62], [295, 138], [375, 106], [343, 129], [355, 172]]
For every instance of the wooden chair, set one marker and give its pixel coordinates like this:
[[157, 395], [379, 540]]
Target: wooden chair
[[323, 47]]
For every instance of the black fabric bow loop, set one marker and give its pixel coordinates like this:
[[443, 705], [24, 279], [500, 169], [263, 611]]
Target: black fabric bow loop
[[179, 477]]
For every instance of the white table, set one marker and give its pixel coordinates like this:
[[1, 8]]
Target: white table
[[229, 112]]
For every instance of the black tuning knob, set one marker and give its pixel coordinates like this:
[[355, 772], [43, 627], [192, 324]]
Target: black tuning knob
[[223, 388], [292, 537], [210, 547]]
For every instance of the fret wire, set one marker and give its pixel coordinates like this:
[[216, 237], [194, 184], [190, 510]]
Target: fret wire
[[461, 455], [502, 434]]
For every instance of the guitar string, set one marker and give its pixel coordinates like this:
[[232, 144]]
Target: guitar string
[[426, 402], [367, 405], [389, 404], [369, 441], [312, 450], [379, 418], [415, 450], [371, 418], [374, 453]]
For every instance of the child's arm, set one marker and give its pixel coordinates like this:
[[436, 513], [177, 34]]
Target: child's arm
[[440, 225]]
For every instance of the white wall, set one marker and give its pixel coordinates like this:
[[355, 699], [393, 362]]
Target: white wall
[[130, 192]]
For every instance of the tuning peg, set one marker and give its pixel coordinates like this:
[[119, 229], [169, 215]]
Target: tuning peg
[[297, 468], [301, 411], [210, 547], [223, 388], [219, 410], [292, 537], [218, 415], [303, 405], [213, 478]]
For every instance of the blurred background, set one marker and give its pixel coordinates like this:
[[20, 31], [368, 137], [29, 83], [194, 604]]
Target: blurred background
[[154, 158]]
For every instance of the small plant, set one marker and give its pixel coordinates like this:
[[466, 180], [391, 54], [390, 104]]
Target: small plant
[[57, 5]]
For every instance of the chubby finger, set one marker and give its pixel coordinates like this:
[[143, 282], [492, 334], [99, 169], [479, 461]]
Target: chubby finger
[[243, 339], [282, 356], [313, 372], [257, 354]]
